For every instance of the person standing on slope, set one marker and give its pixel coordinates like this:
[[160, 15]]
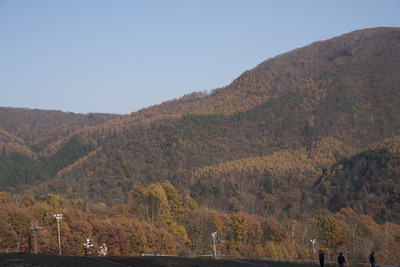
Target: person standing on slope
[[321, 258], [372, 259], [341, 260]]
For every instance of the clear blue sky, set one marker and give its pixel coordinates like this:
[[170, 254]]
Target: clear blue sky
[[119, 56]]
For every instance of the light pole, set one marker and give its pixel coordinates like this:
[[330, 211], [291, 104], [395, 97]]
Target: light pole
[[214, 237], [217, 242], [313, 241], [58, 218]]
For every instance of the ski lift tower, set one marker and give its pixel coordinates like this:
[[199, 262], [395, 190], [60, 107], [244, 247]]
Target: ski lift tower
[[216, 241]]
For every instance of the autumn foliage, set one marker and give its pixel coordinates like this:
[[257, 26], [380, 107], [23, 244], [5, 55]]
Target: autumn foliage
[[304, 146], [170, 222]]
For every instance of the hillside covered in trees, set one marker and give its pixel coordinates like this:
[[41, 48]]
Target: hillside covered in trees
[[304, 145]]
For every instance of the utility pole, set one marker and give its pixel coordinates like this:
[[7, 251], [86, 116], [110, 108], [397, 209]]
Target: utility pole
[[58, 218], [34, 229]]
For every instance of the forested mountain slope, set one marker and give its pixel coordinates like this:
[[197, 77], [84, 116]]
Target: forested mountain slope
[[304, 146], [312, 106], [39, 128], [364, 61]]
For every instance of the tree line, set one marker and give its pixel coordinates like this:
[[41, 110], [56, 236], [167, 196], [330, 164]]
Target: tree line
[[162, 218]]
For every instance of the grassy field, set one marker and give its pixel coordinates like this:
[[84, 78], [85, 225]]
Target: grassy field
[[13, 259]]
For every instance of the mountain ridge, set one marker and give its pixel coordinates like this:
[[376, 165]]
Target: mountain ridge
[[342, 92], [305, 146]]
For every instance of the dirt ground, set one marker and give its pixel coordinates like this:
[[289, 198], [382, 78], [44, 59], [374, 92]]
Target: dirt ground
[[38, 260]]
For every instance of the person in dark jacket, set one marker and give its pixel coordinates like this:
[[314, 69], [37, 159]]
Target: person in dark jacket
[[372, 259], [321, 258], [341, 260]]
